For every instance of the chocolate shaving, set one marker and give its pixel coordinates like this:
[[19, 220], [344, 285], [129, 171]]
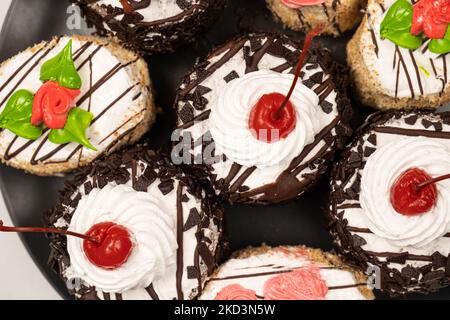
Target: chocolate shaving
[[231, 76], [193, 220]]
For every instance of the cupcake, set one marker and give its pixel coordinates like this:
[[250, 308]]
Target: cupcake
[[335, 16], [166, 231], [233, 130], [152, 26], [390, 200], [65, 102], [398, 56], [286, 273]]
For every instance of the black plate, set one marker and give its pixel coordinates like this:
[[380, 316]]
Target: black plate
[[298, 222]]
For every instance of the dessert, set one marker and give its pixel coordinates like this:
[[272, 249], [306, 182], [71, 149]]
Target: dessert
[[152, 26], [286, 273], [65, 102], [233, 101], [389, 200], [335, 16], [166, 230], [399, 55]]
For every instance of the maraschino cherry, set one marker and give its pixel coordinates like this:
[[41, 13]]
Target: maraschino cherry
[[414, 192], [112, 248], [127, 7], [274, 112], [107, 245]]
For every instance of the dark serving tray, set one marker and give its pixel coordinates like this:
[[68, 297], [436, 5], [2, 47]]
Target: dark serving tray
[[298, 222]]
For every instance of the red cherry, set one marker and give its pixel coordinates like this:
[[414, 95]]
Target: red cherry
[[410, 200], [274, 113], [112, 248], [264, 123]]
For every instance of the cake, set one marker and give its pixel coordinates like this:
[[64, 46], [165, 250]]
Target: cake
[[336, 16], [217, 99], [388, 209], [152, 26], [286, 273], [173, 227], [394, 62], [66, 102]]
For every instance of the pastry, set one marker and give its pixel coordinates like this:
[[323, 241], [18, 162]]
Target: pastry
[[173, 230], [386, 210], [336, 16], [286, 273], [399, 56], [152, 26], [65, 102], [224, 135]]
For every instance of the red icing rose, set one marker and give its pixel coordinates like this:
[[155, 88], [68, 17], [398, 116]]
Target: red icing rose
[[236, 292], [295, 4], [52, 104], [301, 284], [431, 17]]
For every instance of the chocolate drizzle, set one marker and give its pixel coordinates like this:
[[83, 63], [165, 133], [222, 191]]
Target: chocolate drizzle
[[180, 235], [401, 272], [329, 78], [142, 167], [35, 158]]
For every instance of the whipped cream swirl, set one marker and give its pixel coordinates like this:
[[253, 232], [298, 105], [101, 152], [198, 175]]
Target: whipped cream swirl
[[229, 120], [152, 227], [380, 173]]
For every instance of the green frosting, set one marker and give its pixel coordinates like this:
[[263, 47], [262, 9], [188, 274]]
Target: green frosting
[[441, 46], [16, 116], [62, 69], [78, 121], [396, 26]]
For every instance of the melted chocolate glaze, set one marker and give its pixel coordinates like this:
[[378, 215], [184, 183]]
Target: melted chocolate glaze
[[435, 273], [290, 183], [116, 168], [166, 34]]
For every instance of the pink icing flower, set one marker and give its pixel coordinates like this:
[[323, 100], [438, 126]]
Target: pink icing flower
[[236, 292], [295, 4], [301, 284]]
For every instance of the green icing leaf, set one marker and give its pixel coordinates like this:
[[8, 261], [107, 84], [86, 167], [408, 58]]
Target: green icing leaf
[[396, 26], [62, 69], [78, 121], [16, 117], [441, 46]]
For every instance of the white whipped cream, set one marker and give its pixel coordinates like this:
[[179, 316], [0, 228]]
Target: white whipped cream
[[148, 220], [229, 120], [383, 68], [251, 272], [380, 173]]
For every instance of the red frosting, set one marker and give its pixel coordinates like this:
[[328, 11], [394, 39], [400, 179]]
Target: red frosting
[[264, 123], [431, 17], [407, 199], [301, 284], [52, 104], [295, 4], [235, 292], [112, 248]]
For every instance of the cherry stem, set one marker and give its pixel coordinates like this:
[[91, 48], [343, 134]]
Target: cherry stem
[[308, 40], [46, 230], [127, 7], [431, 181]]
